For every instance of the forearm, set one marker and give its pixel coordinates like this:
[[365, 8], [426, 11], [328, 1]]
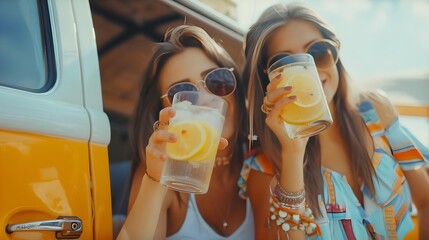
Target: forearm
[[292, 180], [142, 220], [292, 173], [419, 185], [423, 216]]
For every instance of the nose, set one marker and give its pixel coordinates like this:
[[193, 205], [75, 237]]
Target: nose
[[202, 86]]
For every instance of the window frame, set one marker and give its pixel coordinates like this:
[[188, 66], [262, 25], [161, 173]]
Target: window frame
[[48, 53]]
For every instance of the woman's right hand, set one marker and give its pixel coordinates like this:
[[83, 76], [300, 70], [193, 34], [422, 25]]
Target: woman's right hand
[[155, 150], [293, 150], [278, 99]]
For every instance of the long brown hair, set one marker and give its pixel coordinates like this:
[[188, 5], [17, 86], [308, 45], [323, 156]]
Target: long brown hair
[[147, 110], [351, 124]]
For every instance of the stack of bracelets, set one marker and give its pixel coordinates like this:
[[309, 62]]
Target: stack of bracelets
[[284, 212]]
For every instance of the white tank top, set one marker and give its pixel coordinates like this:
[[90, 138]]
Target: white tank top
[[195, 227]]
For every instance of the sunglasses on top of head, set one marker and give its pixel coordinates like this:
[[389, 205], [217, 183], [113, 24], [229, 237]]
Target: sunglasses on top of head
[[323, 51], [220, 82]]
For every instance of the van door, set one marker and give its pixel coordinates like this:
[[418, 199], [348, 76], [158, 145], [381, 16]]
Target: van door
[[54, 181]]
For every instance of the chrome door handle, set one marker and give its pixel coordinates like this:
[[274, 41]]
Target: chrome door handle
[[66, 227]]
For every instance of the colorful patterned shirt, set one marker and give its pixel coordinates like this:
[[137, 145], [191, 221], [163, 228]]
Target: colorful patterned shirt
[[387, 214]]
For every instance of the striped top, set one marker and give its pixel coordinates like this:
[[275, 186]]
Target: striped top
[[387, 214]]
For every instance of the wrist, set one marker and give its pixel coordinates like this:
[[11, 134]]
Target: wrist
[[151, 185], [293, 200], [292, 171], [294, 148], [292, 156], [288, 210], [152, 178]]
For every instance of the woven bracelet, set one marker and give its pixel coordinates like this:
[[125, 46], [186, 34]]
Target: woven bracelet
[[151, 178]]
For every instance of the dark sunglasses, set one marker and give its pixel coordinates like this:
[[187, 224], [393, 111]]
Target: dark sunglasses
[[323, 51], [220, 82]]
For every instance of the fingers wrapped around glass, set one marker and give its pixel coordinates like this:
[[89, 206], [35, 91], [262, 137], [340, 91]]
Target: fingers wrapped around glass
[[266, 106]]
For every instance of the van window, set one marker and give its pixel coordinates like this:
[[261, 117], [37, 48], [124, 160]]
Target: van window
[[26, 52]]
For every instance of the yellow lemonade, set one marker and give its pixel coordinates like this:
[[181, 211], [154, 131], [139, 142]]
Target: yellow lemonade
[[309, 113], [308, 106], [191, 136], [196, 141], [198, 128], [209, 149]]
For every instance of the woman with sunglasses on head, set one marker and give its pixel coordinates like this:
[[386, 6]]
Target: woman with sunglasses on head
[[355, 179], [187, 60]]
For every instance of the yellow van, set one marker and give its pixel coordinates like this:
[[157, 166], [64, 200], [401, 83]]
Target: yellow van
[[54, 172]]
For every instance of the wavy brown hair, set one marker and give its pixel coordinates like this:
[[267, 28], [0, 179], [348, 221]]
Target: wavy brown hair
[[147, 110], [351, 124]]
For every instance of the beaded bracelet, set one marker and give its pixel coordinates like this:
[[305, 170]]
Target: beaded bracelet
[[284, 206], [290, 219]]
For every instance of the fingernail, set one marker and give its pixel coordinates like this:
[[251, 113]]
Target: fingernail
[[172, 138], [287, 88], [292, 97]]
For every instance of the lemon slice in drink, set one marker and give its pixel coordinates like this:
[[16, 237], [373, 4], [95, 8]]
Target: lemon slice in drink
[[293, 114], [308, 107], [305, 90], [191, 137], [209, 149]]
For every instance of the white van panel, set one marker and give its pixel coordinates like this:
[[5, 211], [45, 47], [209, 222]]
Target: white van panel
[[90, 74], [43, 116], [60, 111]]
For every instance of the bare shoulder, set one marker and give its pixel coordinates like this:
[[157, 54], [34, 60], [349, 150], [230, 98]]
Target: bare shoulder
[[385, 109], [258, 185], [257, 178], [259, 194]]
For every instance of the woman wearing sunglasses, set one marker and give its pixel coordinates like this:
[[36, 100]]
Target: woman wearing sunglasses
[[188, 60], [352, 181]]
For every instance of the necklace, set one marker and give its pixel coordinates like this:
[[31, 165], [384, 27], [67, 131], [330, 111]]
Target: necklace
[[223, 161], [224, 216]]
